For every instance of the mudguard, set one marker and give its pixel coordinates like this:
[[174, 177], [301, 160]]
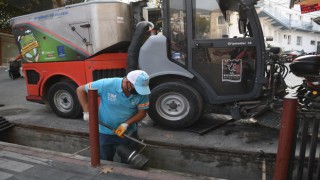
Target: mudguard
[[153, 54]]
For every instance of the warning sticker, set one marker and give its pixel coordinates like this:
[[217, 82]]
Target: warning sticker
[[231, 70]]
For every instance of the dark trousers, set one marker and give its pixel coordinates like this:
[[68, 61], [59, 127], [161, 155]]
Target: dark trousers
[[109, 143]]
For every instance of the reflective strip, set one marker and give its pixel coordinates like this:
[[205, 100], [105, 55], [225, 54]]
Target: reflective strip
[[143, 105]]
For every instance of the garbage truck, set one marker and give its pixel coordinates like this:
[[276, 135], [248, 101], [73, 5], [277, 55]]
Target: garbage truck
[[207, 56]]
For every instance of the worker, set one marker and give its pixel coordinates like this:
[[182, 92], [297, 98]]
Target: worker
[[123, 104]]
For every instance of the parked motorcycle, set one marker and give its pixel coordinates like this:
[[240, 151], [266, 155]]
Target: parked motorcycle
[[308, 67]]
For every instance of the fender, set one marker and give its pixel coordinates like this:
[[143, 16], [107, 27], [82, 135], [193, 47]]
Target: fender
[[154, 53], [75, 74]]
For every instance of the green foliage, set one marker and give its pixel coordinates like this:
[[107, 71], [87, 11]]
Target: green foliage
[[6, 13], [13, 8], [202, 25], [156, 2]]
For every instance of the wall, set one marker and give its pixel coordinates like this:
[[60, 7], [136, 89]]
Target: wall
[[281, 37], [8, 48], [203, 162]]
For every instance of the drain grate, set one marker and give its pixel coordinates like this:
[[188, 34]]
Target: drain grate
[[270, 119], [4, 124], [205, 125]]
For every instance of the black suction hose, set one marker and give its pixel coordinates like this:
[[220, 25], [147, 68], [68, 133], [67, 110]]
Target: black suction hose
[[137, 41], [132, 157]]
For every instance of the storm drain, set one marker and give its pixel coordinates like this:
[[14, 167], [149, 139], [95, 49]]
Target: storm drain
[[4, 124]]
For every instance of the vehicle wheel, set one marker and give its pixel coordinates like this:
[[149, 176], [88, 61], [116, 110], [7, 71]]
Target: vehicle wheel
[[63, 100], [175, 105]]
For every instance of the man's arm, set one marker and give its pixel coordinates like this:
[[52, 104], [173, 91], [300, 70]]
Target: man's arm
[[83, 98], [137, 117], [134, 119]]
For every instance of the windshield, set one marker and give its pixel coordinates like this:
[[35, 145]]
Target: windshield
[[214, 21]]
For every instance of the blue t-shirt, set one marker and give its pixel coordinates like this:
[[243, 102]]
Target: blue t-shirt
[[115, 107]]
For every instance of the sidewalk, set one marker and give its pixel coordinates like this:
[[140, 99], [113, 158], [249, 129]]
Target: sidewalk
[[27, 163]]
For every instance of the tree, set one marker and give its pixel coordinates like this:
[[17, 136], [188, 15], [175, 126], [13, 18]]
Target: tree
[[202, 26], [6, 13], [31, 6], [13, 8], [157, 3]]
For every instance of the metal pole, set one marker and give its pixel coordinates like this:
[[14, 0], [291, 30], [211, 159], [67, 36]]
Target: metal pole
[[288, 123], [313, 147], [93, 127]]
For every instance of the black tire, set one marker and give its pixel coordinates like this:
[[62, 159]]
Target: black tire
[[63, 100], [186, 105]]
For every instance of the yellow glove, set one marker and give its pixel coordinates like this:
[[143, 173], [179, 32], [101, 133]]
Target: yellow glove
[[121, 130]]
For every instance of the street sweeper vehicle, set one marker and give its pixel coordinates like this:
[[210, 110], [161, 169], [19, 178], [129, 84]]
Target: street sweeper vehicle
[[207, 56]]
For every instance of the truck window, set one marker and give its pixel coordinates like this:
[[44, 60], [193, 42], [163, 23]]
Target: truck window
[[178, 30], [210, 22]]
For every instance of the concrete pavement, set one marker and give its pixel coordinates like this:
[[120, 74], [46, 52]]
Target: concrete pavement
[[27, 163]]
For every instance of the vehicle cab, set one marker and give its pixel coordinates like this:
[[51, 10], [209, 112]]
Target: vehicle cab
[[210, 52]]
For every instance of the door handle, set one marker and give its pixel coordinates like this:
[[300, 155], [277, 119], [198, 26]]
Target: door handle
[[204, 44]]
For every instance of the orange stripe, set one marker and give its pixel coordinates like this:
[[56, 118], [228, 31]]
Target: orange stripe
[[143, 105], [89, 86]]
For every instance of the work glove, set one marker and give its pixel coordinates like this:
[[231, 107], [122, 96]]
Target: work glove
[[86, 116], [121, 130]]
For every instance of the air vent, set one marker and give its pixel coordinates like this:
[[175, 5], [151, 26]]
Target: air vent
[[33, 77], [108, 73]]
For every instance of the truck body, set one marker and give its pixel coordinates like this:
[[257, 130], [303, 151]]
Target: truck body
[[57, 47], [207, 53]]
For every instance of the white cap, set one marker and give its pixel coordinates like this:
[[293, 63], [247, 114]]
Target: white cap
[[140, 80]]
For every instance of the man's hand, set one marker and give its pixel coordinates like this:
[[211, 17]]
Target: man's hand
[[121, 130], [86, 116]]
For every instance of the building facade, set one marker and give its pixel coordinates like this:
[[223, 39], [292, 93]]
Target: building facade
[[290, 29], [8, 48]]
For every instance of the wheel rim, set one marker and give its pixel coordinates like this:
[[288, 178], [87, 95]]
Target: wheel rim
[[173, 106], [63, 101]]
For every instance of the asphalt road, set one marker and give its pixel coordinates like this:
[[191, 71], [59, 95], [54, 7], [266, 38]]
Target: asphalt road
[[16, 109]]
